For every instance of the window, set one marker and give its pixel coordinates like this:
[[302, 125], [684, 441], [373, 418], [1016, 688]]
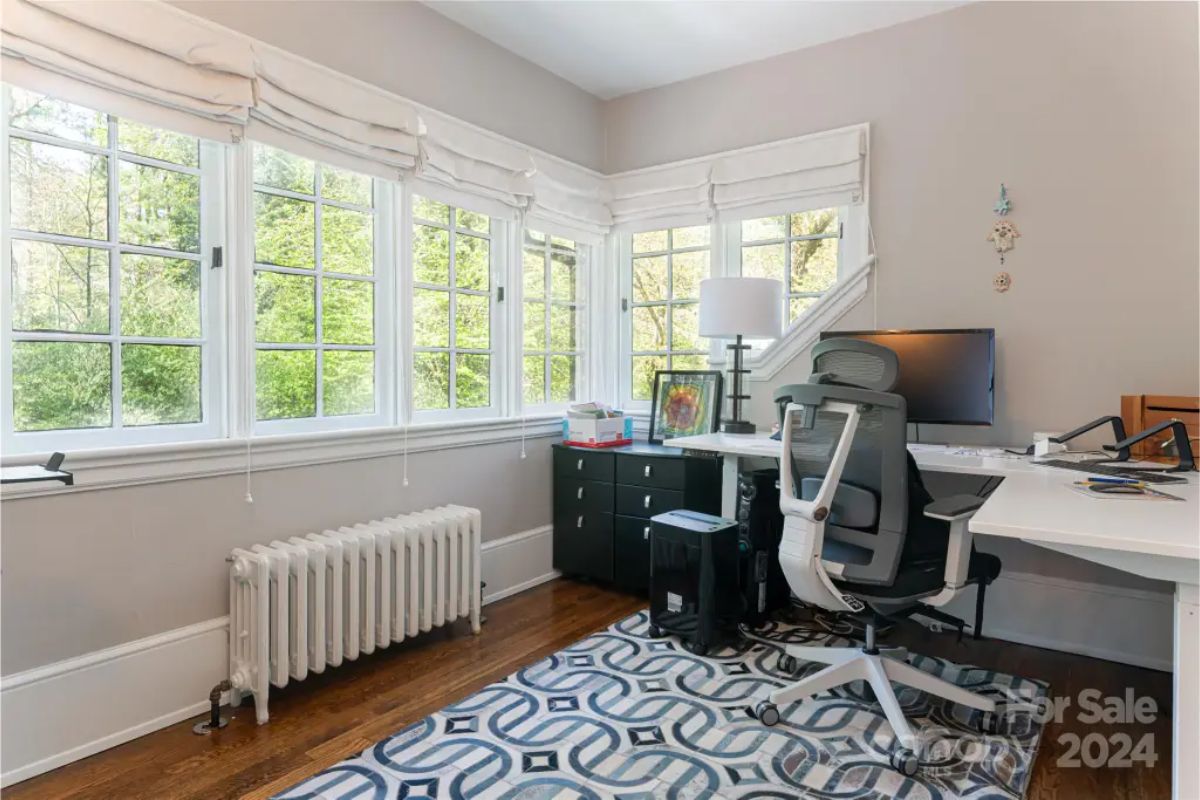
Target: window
[[107, 329], [802, 250], [664, 292], [451, 308], [553, 288], [315, 290]]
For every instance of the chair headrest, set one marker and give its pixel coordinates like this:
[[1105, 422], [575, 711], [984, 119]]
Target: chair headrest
[[855, 362]]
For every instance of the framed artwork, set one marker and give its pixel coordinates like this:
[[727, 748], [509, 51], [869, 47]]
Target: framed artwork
[[686, 403]]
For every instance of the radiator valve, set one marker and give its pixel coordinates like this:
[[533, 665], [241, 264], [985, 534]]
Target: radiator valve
[[215, 720]]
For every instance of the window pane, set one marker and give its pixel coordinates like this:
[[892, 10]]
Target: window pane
[[687, 270], [160, 208], [763, 261], [534, 379], [566, 244], [535, 326], [562, 379], [346, 186], [431, 318], [472, 380], [431, 380], [431, 255], [285, 308], [562, 276], [562, 327], [286, 384], [533, 265], [36, 112], [814, 264], [58, 287], [424, 208], [284, 231], [689, 361], [695, 236], [644, 368], [814, 223], [347, 311], [160, 296], [685, 327], [347, 241], [142, 140], [160, 384], [650, 242], [471, 262], [471, 220], [798, 305], [273, 167], [58, 190], [472, 322], [58, 385], [534, 237], [649, 328], [649, 279], [349, 382], [757, 230]]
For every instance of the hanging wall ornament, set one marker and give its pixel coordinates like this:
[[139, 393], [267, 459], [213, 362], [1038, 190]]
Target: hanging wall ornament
[[1004, 233]]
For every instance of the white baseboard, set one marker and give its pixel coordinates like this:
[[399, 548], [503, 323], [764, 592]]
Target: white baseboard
[[62, 712]]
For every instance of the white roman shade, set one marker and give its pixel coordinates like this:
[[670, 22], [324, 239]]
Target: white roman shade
[[321, 114], [464, 158], [147, 61], [569, 201], [678, 194], [824, 169]]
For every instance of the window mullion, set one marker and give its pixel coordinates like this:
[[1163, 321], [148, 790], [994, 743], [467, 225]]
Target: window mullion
[[452, 338], [114, 273], [319, 300]]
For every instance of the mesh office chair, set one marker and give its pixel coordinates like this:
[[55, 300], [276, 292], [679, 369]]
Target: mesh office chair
[[854, 542]]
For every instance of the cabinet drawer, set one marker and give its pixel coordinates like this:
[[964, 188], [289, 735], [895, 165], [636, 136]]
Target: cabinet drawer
[[573, 463], [573, 496], [657, 472], [631, 553], [583, 545], [637, 501]]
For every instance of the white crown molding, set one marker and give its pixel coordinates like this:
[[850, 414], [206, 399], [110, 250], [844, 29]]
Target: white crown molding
[[126, 466]]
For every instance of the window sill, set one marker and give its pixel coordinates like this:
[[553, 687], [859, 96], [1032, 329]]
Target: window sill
[[129, 466]]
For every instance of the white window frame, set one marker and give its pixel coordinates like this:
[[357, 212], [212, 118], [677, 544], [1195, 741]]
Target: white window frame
[[212, 334], [382, 276], [584, 259], [500, 235], [625, 256]]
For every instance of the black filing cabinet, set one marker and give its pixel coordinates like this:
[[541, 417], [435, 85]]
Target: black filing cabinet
[[604, 499]]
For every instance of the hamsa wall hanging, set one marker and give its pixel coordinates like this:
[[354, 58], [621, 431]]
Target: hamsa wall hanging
[[1004, 233]]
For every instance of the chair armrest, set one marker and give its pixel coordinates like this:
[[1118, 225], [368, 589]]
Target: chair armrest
[[956, 507]]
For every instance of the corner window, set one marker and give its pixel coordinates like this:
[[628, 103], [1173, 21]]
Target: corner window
[[110, 334], [802, 250], [553, 270]]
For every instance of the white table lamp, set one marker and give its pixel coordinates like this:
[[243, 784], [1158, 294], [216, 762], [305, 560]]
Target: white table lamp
[[737, 308]]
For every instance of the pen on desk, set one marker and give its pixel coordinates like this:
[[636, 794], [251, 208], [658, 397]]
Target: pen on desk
[[1095, 479]]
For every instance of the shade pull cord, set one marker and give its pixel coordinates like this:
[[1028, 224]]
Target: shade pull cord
[[248, 376], [405, 455], [875, 282]]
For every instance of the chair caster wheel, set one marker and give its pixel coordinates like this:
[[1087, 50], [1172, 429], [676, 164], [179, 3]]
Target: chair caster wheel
[[788, 664], [696, 648], [905, 762], [767, 713], [654, 632], [993, 722]]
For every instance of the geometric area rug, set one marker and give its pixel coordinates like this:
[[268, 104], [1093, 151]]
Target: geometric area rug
[[619, 715]]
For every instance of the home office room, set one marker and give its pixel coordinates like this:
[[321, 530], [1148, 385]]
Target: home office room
[[599, 399]]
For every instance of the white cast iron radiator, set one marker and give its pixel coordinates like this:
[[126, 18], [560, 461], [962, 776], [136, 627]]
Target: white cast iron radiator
[[308, 603]]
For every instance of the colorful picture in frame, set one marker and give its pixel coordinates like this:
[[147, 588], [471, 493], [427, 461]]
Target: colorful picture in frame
[[685, 403]]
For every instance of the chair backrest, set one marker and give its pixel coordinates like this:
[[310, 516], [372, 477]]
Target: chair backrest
[[868, 518]]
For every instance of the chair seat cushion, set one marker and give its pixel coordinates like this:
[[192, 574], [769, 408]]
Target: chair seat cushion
[[922, 578]]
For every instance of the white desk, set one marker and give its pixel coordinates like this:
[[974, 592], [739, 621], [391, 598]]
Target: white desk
[[1154, 539]]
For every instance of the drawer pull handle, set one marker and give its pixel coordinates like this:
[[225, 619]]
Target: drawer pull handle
[[579, 522], [646, 501], [579, 465], [647, 471], [579, 494], [646, 533]]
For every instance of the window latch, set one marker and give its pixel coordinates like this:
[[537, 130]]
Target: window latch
[[624, 303], [218, 257], [499, 294]]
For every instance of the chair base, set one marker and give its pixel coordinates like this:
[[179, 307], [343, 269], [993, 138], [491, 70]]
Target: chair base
[[879, 667]]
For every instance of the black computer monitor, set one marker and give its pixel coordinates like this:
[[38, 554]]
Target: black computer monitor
[[947, 377]]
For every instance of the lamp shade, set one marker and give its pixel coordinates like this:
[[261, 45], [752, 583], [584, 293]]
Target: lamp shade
[[750, 307]]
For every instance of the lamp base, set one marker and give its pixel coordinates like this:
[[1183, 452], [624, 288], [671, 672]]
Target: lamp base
[[737, 426]]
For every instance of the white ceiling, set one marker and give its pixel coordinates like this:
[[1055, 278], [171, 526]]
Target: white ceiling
[[614, 47]]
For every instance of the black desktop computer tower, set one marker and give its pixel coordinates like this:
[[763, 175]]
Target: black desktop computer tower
[[760, 527]]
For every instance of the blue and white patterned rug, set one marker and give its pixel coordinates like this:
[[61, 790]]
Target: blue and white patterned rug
[[618, 715]]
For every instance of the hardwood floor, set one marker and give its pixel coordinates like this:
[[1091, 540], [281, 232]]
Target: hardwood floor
[[328, 717]]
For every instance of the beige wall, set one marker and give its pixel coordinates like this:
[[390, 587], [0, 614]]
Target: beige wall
[[408, 49], [1087, 111]]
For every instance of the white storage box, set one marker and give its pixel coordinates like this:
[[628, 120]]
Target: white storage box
[[602, 432]]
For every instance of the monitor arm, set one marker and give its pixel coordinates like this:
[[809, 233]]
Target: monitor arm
[[1183, 446]]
